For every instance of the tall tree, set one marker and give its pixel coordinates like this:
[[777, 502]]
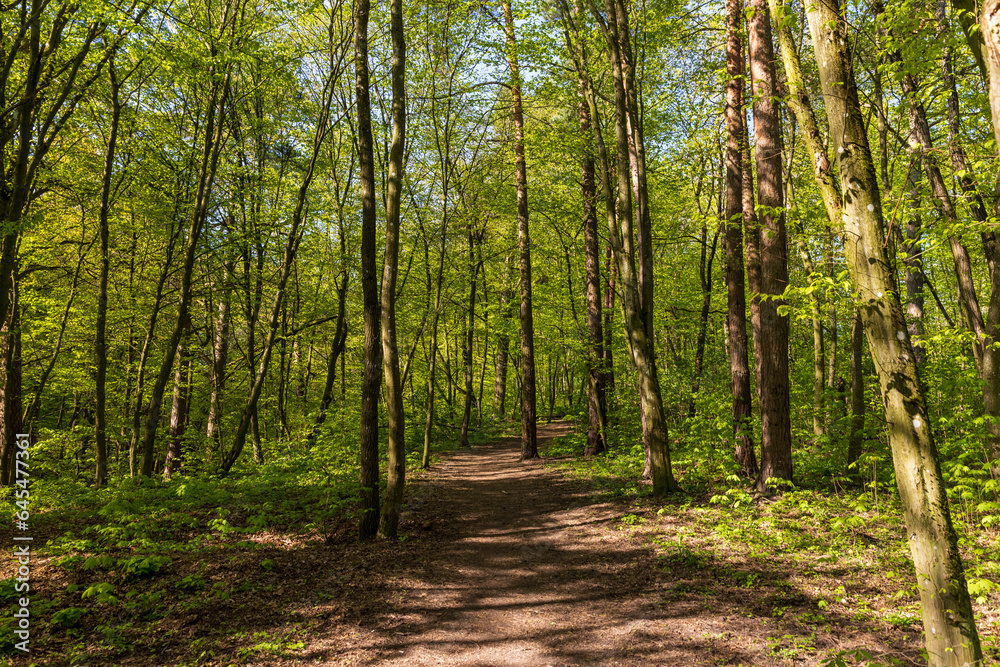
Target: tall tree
[[949, 628], [636, 283], [772, 366], [597, 376], [529, 436], [371, 382], [739, 365], [222, 36], [392, 505], [100, 326]]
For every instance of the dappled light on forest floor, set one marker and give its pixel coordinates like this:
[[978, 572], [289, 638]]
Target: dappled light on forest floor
[[503, 562]]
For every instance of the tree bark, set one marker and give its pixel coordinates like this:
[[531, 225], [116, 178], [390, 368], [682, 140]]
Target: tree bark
[[502, 352], [371, 382], [913, 263], [529, 436], [100, 326], [739, 365], [990, 26], [181, 399], [468, 339], [389, 521], [855, 440], [949, 628], [986, 356], [634, 284], [220, 359], [705, 279], [596, 386], [211, 151], [147, 345], [775, 409], [10, 383]]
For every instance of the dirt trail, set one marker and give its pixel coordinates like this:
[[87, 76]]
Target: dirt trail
[[523, 568]]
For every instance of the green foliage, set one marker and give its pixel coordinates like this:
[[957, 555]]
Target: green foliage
[[138, 566], [100, 593], [192, 583], [68, 617]]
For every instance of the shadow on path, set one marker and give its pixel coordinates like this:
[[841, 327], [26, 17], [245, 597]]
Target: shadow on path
[[521, 566]]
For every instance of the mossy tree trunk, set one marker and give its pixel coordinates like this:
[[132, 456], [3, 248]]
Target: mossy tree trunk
[[949, 628]]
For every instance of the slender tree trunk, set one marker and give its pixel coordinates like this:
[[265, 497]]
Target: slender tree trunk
[[949, 629], [179, 406], [433, 352], [913, 262], [751, 239], [775, 409], [100, 327], [295, 232], [502, 351], [211, 150], [819, 352], [338, 345], [990, 27], [389, 521], [468, 339], [371, 382], [220, 359], [140, 372], [987, 358], [855, 440], [705, 278], [739, 365], [10, 385], [635, 283], [610, 284], [529, 436], [831, 272], [33, 411], [597, 393]]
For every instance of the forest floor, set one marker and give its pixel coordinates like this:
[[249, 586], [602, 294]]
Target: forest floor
[[501, 562]]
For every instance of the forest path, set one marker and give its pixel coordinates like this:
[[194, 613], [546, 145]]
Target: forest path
[[523, 567]]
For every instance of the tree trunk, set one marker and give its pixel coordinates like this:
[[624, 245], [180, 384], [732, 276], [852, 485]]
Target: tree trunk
[[32, 413], [987, 358], [635, 283], [990, 25], [179, 406], [739, 365], [220, 359], [248, 417], [856, 437], [502, 350], [913, 262], [433, 352], [949, 628], [338, 345], [596, 385], [775, 409], [140, 373], [389, 521], [610, 284], [100, 327], [371, 382], [529, 436], [467, 342], [10, 384], [211, 150]]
